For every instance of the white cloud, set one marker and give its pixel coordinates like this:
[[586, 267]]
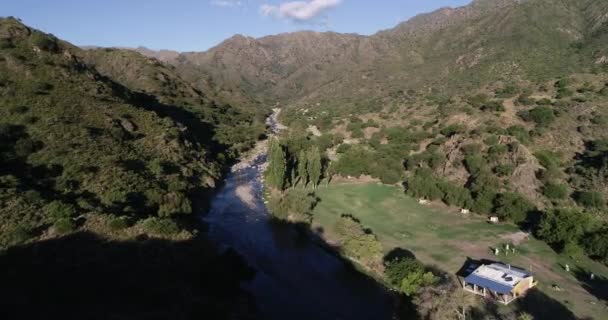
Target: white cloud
[[227, 3], [299, 10]]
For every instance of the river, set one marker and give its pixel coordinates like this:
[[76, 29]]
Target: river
[[295, 277]]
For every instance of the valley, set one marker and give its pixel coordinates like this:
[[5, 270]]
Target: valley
[[311, 175]]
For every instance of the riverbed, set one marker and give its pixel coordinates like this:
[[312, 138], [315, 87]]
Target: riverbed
[[296, 278]]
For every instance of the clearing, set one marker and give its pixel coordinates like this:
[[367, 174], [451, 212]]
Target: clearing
[[443, 237]]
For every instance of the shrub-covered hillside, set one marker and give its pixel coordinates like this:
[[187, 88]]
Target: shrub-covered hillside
[[81, 150]]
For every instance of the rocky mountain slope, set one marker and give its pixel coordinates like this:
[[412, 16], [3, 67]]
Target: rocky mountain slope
[[486, 41]]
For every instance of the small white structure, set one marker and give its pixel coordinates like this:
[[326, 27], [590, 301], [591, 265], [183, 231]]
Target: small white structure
[[465, 211], [501, 282], [494, 220], [423, 201]]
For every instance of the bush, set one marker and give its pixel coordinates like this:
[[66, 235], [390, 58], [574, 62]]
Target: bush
[[596, 244], [158, 226], [543, 116], [174, 203], [483, 202], [504, 170], [423, 185], [561, 226], [493, 106], [357, 242], [590, 200], [514, 207], [295, 203], [64, 225], [555, 191], [455, 195], [117, 223], [58, 210], [398, 268], [44, 42], [452, 130]]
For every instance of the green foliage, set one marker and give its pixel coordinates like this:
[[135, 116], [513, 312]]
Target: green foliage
[[559, 227], [423, 185], [543, 116], [493, 106], [357, 242], [295, 204], [453, 129], [117, 223], [44, 42], [58, 210], [504, 170], [303, 167], [590, 199], [159, 226], [174, 203], [64, 225], [314, 166], [596, 244], [514, 207], [277, 164], [411, 284], [483, 202], [399, 268], [555, 191]]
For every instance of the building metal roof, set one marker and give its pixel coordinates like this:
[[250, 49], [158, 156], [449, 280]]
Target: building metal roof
[[497, 277]]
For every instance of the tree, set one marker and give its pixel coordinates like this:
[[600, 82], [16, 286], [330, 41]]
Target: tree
[[303, 167], [314, 166], [562, 226], [542, 115], [277, 164], [596, 244], [397, 269], [174, 203], [513, 206], [555, 191], [411, 284], [590, 200]]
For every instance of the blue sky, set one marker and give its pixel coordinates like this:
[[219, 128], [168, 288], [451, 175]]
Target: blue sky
[[196, 25]]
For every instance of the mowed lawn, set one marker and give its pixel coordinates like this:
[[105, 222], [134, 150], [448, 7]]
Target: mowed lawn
[[444, 237]]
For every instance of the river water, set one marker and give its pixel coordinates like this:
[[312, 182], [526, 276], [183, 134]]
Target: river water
[[295, 277]]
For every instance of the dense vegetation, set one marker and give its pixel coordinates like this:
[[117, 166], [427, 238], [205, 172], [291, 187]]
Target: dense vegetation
[[87, 151]]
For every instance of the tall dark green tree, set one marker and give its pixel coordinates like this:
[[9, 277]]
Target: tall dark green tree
[[314, 166], [277, 164], [303, 168]]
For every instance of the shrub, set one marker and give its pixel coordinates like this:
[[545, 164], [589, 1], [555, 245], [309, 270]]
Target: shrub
[[174, 203], [398, 268], [423, 185], [543, 116], [44, 42], [559, 227], [590, 200], [158, 226], [452, 130], [357, 242], [297, 203], [57, 210], [596, 244], [483, 202], [513, 206], [117, 223], [64, 225], [343, 148], [555, 191], [455, 195], [493, 106], [504, 170]]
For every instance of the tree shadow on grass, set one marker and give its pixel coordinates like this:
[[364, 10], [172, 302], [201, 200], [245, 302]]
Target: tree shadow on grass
[[84, 276], [541, 306], [598, 286]]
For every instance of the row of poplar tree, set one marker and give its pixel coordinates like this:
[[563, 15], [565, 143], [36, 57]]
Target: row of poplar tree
[[284, 169]]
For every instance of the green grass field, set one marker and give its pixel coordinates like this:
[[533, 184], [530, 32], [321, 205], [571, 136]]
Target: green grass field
[[443, 237]]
